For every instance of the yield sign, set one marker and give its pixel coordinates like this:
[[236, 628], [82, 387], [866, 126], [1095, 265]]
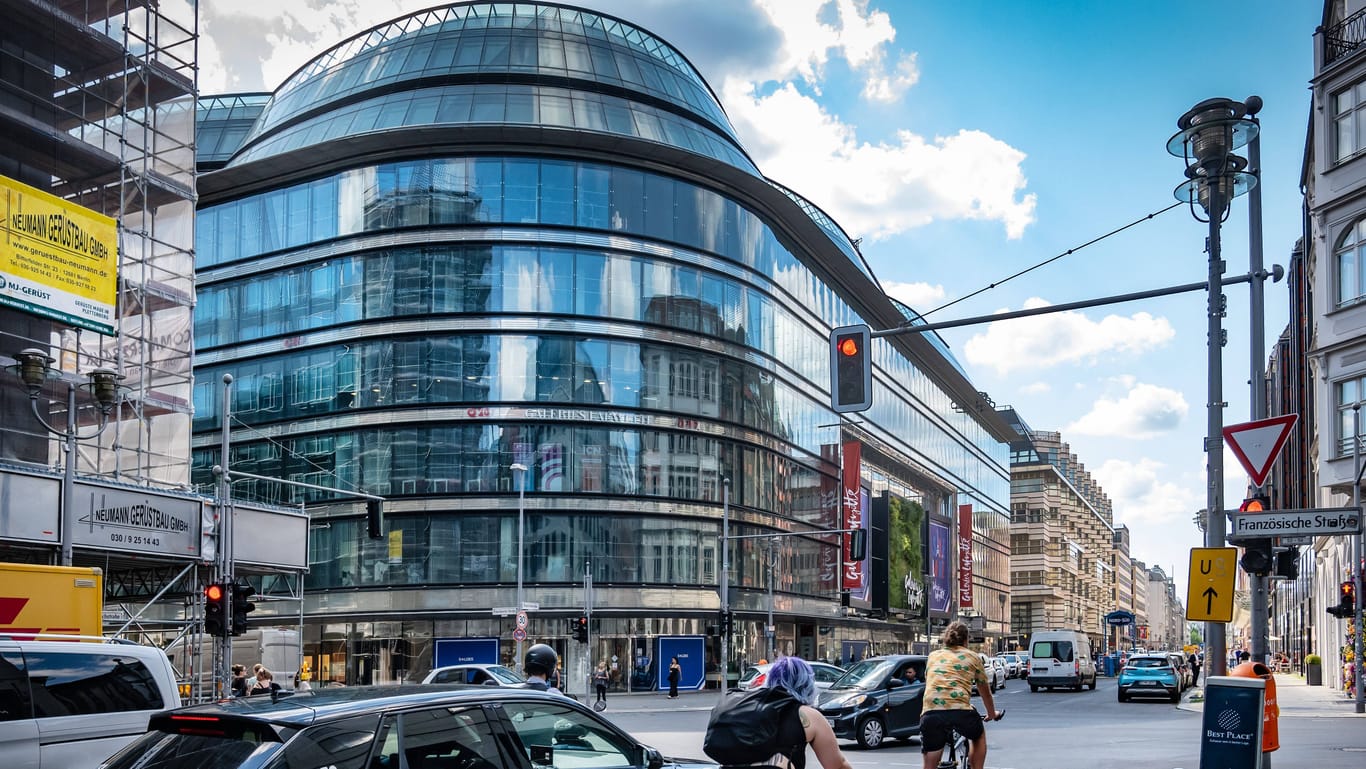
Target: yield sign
[[1257, 444]]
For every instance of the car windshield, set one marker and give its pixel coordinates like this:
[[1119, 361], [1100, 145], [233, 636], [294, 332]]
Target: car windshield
[[863, 675], [1149, 662], [505, 675]]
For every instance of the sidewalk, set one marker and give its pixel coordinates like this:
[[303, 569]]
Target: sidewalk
[[1296, 700], [655, 702]]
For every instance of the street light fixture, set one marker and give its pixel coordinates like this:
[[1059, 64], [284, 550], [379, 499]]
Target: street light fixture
[[519, 473], [34, 369], [1210, 131]]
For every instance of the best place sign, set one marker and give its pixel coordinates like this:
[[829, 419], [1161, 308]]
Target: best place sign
[[1281, 523]]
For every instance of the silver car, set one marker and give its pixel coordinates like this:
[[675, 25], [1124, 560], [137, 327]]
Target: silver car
[[756, 676], [1011, 663], [475, 673]]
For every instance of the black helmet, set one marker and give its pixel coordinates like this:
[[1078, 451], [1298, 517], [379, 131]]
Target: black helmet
[[540, 660]]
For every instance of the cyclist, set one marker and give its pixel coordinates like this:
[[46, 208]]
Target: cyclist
[[950, 674]]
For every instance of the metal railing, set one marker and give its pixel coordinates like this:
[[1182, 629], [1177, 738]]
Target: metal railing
[[1340, 40]]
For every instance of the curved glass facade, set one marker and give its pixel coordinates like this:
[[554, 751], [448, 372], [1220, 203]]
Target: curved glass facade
[[650, 348]]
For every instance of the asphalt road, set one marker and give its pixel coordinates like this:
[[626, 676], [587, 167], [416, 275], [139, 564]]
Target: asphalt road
[[1059, 730]]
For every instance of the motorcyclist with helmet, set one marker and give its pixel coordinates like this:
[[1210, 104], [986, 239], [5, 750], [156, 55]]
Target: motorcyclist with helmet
[[539, 662]]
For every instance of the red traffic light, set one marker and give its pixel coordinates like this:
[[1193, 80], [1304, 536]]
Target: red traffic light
[[214, 592], [849, 346], [1255, 505]]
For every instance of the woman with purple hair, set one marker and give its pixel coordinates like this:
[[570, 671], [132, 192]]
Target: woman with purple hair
[[795, 676]]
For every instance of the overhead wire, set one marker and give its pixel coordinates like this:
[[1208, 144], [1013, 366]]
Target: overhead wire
[[1050, 260]]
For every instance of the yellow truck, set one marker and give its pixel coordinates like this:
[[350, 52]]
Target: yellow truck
[[37, 601]]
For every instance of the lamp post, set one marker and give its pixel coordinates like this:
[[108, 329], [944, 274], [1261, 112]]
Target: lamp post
[[34, 368], [1210, 131], [725, 586], [519, 473], [771, 630]]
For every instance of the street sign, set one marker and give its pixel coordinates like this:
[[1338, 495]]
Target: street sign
[[1257, 444], [521, 620], [1119, 618], [1209, 589], [531, 606], [519, 635], [1293, 541], [1320, 522], [504, 611]]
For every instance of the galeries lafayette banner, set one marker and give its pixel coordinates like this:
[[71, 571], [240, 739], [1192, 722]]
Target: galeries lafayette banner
[[965, 556]]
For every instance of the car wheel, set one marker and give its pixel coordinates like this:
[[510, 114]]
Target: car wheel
[[1176, 697], [871, 732], [1092, 685], [1033, 687], [1123, 697]]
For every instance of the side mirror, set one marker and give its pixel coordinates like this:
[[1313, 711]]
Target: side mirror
[[653, 759], [896, 682]]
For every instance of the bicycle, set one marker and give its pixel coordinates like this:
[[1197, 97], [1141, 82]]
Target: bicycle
[[956, 753]]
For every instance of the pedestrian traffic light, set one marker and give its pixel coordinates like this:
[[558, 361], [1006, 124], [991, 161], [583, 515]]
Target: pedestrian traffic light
[[1257, 557], [1347, 600], [858, 546], [581, 629], [1288, 563], [215, 609], [851, 368], [242, 605], [374, 518]]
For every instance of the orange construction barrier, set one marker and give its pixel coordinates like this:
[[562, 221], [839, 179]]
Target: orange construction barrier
[[1271, 711]]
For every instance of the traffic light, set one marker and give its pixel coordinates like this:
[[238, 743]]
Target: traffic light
[[712, 631], [724, 621], [851, 367], [241, 607], [1347, 600], [1288, 563], [374, 519], [1257, 557], [581, 629], [215, 609], [858, 546]]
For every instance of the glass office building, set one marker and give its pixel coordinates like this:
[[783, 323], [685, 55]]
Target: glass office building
[[509, 267]]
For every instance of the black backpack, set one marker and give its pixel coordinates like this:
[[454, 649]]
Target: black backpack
[[748, 727]]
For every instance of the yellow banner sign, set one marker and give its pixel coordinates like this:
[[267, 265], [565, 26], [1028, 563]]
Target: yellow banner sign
[[57, 259]]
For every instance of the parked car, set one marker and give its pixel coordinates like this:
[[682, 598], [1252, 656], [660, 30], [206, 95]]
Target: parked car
[[391, 726], [1024, 664], [475, 673], [757, 675], [996, 673], [872, 702], [1011, 664], [1183, 667], [1150, 675]]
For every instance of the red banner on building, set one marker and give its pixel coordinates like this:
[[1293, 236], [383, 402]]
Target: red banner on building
[[965, 556], [852, 577]]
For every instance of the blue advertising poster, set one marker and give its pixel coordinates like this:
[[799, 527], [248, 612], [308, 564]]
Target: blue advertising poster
[[941, 568], [465, 651], [691, 651], [1231, 729]]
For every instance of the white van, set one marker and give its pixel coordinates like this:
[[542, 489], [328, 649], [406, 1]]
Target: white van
[[72, 704], [1061, 658]]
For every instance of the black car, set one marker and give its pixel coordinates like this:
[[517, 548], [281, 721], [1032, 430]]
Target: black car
[[873, 702], [390, 727]]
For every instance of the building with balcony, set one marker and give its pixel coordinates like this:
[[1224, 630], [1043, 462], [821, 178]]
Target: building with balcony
[[1062, 541], [495, 261]]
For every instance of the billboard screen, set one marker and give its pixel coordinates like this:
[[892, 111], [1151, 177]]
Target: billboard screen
[[57, 259], [941, 569]]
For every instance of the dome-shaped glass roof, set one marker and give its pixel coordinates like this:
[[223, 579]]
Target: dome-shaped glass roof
[[546, 44]]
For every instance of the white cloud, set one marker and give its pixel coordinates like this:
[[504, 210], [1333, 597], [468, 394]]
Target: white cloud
[[1146, 411], [1144, 494], [1065, 337], [878, 190], [921, 297], [1037, 388], [812, 29]]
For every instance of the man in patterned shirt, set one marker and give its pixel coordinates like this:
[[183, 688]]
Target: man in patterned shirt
[[949, 677]]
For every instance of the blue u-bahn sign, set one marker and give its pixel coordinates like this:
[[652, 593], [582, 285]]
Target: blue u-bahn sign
[[1119, 618]]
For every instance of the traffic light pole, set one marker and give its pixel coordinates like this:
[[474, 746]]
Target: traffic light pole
[[1258, 584], [725, 586], [1357, 546]]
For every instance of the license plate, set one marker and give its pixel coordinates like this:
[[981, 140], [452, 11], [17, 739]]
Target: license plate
[[1147, 683], [832, 721]]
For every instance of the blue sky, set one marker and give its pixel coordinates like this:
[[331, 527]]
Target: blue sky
[[965, 141]]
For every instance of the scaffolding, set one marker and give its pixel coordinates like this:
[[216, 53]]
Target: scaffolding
[[98, 106]]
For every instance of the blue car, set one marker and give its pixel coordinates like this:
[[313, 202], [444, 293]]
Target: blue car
[[1150, 675]]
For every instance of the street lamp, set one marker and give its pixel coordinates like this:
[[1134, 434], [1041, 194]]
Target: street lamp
[[1210, 131], [34, 368], [519, 473]]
